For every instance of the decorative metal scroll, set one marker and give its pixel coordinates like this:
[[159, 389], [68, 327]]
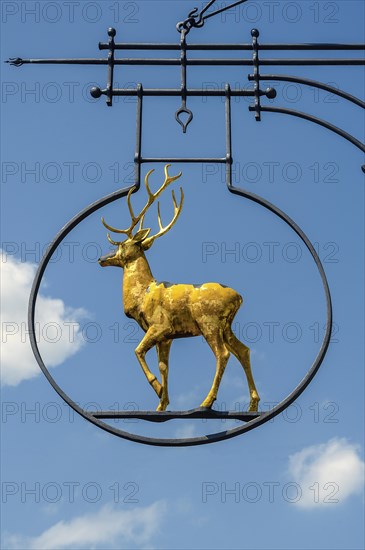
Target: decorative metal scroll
[[184, 117]]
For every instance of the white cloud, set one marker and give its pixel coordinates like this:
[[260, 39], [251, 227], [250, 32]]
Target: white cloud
[[57, 328], [108, 528], [327, 473]]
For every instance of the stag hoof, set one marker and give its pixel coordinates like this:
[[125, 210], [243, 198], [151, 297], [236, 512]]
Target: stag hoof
[[163, 405], [254, 405], [207, 404]]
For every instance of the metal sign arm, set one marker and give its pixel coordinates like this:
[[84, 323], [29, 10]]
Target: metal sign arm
[[256, 62]]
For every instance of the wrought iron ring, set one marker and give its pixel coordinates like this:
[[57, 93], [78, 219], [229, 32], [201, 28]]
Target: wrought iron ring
[[201, 440]]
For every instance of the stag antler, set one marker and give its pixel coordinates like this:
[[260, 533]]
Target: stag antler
[[163, 230], [151, 199]]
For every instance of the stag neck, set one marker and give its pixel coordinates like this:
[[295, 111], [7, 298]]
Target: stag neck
[[137, 278]]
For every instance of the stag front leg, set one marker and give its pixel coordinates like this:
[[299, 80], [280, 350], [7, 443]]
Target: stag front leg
[[163, 349], [151, 338]]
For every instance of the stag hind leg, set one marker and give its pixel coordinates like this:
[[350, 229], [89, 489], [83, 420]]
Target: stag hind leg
[[216, 342], [163, 350], [242, 353]]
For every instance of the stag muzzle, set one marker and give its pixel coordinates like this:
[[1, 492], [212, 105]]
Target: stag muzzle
[[107, 259]]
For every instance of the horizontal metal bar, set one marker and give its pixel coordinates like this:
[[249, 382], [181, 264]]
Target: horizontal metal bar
[[234, 47], [271, 62], [314, 83], [316, 120], [177, 92], [186, 159], [18, 62], [197, 62], [164, 416]]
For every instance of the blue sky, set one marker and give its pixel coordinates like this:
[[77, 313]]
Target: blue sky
[[295, 482]]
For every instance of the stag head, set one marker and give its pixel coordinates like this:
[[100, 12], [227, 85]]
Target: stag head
[[130, 249]]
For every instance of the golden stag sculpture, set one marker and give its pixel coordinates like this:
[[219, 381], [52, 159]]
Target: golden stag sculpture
[[167, 311]]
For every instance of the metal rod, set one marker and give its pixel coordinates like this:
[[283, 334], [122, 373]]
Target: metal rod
[[266, 62], [256, 72], [235, 47], [314, 83], [185, 159], [183, 109], [198, 62], [224, 8], [158, 92], [164, 416], [138, 153], [316, 120], [110, 85], [65, 61], [228, 137]]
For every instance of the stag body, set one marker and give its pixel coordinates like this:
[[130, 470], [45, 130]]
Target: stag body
[[166, 312]]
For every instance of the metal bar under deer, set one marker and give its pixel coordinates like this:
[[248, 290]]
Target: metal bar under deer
[[164, 416]]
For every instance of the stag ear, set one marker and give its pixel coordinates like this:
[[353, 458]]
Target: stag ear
[[147, 243], [141, 235]]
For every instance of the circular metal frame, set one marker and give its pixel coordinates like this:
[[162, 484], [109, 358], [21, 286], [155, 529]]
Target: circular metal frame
[[201, 440]]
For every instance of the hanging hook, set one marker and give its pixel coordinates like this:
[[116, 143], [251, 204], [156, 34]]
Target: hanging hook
[[197, 20], [187, 111], [194, 19]]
